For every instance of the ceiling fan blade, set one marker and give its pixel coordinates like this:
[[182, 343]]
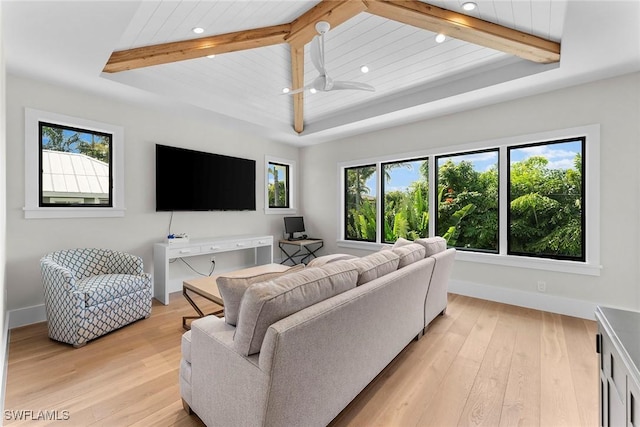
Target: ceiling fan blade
[[302, 89], [338, 85], [317, 54]]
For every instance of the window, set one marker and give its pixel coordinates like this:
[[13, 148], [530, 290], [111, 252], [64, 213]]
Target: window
[[278, 186], [279, 190], [73, 167], [405, 201], [360, 203], [467, 202], [529, 201], [546, 187]]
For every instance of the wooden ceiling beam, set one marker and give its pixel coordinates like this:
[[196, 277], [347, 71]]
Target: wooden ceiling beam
[[335, 12], [197, 48], [297, 80], [467, 28]]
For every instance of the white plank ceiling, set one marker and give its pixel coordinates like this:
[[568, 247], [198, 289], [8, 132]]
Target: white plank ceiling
[[247, 85]]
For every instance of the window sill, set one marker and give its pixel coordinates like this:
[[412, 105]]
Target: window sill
[[561, 266], [41, 213], [280, 211]]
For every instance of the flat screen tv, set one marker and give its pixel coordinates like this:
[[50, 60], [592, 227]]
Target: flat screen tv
[[188, 180]]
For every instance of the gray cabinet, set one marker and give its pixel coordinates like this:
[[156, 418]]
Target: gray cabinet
[[618, 344]]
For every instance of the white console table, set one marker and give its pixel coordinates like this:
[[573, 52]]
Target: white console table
[[164, 252]]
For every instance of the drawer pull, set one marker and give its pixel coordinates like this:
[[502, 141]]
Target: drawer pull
[[185, 251]]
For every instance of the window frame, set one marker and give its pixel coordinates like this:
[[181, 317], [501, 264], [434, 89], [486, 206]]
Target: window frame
[[33, 173], [382, 190], [591, 174], [286, 186], [292, 187], [584, 192], [436, 179], [344, 197], [41, 202]]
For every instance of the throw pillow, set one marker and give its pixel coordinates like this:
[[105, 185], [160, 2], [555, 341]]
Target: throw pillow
[[232, 289], [265, 303], [376, 265], [401, 242], [409, 254], [326, 259], [433, 245]]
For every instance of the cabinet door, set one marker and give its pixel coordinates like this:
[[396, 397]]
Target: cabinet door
[[613, 383], [633, 403]]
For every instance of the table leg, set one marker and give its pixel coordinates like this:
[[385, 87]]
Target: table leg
[[197, 309]]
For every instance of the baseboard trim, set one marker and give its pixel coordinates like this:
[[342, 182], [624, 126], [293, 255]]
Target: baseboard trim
[[5, 361], [27, 316], [538, 301]]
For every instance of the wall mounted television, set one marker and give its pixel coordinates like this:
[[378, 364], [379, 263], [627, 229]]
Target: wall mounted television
[[189, 180]]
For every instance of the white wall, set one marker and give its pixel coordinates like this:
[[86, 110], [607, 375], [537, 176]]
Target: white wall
[[613, 103], [28, 240], [3, 202]]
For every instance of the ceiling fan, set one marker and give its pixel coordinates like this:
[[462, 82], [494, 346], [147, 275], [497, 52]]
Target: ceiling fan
[[323, 82]]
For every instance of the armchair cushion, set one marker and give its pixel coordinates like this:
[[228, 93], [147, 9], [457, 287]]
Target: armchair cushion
[[106, 287]]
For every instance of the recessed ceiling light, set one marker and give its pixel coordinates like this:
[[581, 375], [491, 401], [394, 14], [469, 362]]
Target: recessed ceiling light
[[198, 30], [211, 56], [286, 90], [469, 5], [440, 38], [313, 90], [364, 69]]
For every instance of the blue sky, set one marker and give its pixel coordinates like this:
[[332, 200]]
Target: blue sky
[[560, 156]]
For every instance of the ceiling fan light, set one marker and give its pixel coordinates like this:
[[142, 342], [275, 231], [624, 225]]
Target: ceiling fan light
[[469, 5], [198, 30], [364, 69], [286, 90], [440, 38]]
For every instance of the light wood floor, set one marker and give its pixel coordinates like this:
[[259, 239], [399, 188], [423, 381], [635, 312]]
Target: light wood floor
[[483, 363]]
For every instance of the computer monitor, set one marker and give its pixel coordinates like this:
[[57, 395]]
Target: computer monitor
[[293, 224]]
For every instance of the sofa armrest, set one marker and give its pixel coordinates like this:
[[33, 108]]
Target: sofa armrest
[[57, 278], [227, 387], [436, 301]]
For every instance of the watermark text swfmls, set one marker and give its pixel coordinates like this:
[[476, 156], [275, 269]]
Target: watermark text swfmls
[[36, 415]]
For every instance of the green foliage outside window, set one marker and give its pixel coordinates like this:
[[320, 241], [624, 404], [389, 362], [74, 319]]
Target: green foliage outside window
[[545, 205], [406, 211], [546, 217], [360, 201], [278, 186], [73, 141], [468, 202]]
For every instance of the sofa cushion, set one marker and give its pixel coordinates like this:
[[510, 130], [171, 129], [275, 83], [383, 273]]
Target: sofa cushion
[[265, 303], [409, 254], [107, 287], [433, 245], [376, 265], [232, 289], [326, 259]]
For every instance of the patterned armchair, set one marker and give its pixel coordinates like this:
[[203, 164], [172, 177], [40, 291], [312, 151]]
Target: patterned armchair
[[90, 292]]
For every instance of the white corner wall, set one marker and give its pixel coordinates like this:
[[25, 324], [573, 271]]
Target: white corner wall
[[612, 103], [141, 227], [4, 335]]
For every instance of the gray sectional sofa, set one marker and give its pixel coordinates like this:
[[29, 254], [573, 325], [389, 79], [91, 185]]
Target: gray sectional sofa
[[308, 342]]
